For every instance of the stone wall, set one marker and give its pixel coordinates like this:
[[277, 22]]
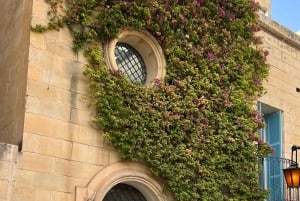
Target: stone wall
[[61, 148], [15, 18], [283, 84], [8, 157]]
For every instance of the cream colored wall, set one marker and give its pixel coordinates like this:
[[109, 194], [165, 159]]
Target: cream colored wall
[[8, 156], [63, 153], [61, 149], [284, 79]]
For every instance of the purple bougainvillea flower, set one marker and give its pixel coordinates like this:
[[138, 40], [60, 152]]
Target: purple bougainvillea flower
[[232, 17], [222, 66], [221, 12], [250, 135], [200, 1], [266, 53], [160, 19], [176, 116], [167, 5], [255, 4], [211, 55], [157, 81], [193, 118]]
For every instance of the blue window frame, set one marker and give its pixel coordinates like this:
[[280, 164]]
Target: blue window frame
[[272, 176]]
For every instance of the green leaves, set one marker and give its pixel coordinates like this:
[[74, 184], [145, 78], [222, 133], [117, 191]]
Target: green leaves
[[196, 129]]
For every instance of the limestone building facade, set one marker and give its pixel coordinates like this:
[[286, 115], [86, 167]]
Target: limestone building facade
[[50, 150]]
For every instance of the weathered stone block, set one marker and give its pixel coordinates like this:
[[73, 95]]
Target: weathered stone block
[[8, 152], [72, 182], [37, 40], [81, 117], [41, 90], [98, 138], [34, 72], [55, 147], [61, 196], [42, 195], [80, 152], [3, 188], [98, 156], [24, 178], [50, 181], [23, 194], [71, 168], [31, 142], [4, 170], [83, 134], [36, 162], [60, 49]]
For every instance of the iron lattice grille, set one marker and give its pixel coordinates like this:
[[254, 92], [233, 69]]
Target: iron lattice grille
[[123, 192], [273, 180], [130, 62]]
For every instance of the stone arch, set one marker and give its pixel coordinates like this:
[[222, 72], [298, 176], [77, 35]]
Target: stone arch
[[131, 173]]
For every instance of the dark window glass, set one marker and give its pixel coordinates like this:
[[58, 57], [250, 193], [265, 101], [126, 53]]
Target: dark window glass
[[124, 192], [130, 62]]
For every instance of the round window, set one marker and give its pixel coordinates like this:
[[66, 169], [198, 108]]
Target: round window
[[138, 55], [130, 62]]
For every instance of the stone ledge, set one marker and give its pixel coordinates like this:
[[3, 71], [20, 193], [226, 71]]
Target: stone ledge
[[279, 31]]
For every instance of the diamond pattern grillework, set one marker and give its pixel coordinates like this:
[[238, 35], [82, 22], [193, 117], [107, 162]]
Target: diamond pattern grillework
[[130, 62], [124, 192]]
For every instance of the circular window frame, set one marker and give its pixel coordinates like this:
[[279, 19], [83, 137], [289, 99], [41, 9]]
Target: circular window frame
[[147, 46]]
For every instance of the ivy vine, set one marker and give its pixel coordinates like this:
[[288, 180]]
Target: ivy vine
[[198, 128]]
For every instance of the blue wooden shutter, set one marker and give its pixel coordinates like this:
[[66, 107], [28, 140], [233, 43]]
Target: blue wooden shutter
[[262, 176], [274, 171]]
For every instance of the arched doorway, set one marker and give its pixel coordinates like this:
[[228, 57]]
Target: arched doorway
[[123, 178], [124, 192]]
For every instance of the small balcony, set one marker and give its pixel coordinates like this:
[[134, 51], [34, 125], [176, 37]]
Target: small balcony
[[272, 178]]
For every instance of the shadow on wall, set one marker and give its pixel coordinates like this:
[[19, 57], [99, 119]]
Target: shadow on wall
[[14, 48]]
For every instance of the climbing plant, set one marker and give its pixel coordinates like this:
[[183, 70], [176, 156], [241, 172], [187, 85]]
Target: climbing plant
[[198, 128]]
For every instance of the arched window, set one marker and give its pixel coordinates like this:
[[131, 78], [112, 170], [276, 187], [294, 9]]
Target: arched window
[[124, 192], [124, 180]]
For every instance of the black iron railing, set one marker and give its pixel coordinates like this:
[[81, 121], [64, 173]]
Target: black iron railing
[[272, 179]]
